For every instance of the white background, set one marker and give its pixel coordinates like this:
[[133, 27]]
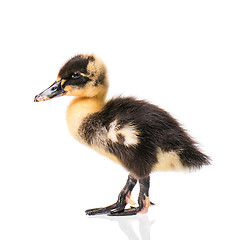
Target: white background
[[180, 55]]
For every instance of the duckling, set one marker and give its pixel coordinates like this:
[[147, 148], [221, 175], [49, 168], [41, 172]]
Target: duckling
[[140, 136]]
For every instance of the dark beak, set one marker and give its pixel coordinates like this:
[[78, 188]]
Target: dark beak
[[55, 90]]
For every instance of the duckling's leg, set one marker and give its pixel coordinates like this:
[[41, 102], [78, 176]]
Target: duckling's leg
[[143, 200], [123, 199]]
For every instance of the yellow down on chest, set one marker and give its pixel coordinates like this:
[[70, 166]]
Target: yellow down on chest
[[78, 110]]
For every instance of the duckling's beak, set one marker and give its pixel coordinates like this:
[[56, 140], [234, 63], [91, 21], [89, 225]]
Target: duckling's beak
[[55, 90]]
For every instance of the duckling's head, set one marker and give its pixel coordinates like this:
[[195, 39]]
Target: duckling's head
[[82, 76]]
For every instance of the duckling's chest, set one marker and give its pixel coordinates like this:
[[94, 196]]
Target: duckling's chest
[[74, 120], [88, 132], [78, 110]]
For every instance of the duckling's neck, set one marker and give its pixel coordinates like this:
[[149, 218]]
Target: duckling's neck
[[79, 109]]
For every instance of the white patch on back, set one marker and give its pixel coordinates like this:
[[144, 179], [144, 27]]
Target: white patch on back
[[128, 131], [112, 131]]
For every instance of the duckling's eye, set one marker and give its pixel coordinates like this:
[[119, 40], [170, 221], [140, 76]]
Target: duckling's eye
[[53, 88], [76, 75]]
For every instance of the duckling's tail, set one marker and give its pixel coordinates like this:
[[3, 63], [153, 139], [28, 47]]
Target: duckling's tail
[[193, 158]]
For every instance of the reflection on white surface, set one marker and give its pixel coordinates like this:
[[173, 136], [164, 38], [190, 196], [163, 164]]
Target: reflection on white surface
[[127, 225]]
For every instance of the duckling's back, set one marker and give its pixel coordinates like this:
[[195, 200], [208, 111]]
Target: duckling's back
[[142, 137]]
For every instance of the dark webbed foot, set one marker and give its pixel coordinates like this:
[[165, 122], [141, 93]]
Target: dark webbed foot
[[103, 210], [143, 201], [134, 210], [118, 208], [123, 199]]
